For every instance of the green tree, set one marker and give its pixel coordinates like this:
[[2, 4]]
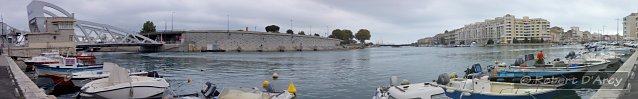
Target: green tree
[[542, 40], [301, 33], [347, 36], [344, 35], [525, 40], [362, 35], [289, 31], [490, 41], [515, 41], [272, 29], [148, 27]]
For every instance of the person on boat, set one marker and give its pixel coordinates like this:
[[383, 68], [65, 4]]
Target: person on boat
[[540, 57]]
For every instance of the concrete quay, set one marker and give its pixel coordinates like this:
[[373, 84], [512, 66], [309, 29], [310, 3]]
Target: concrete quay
[[16, 84], [628, 89]]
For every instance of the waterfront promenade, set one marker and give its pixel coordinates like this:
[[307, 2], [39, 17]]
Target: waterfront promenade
[[16, 84], [630, 91]]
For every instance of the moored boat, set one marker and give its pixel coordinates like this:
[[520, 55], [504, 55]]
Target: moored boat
[[482, 88], [83, 77], [67, 67], [409, 91], [119, 85]]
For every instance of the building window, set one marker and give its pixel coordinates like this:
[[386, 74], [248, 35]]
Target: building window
[[65, 26]]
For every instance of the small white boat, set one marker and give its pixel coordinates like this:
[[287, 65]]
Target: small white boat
[[409, 91], [119, 85], [209, 91], [482, 88], [79, 79]]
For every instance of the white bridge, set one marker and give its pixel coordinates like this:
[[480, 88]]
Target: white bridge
[[88, 34]]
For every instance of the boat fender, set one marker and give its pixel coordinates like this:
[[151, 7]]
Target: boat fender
[[275, 76], [405, 82], [443, 79], [632, 75], [453, 75], [466, 94]]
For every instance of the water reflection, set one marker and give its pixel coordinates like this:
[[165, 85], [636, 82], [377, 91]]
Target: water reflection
[[347, 74]]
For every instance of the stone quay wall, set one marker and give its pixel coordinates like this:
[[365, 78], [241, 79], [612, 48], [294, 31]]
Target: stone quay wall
[[207, 40]]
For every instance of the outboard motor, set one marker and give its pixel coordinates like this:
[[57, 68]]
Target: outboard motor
[[518, 62], [443, 79], [153, 74], [210, 90], [477, 68]]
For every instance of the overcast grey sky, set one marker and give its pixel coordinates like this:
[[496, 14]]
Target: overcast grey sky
[[391, 21]]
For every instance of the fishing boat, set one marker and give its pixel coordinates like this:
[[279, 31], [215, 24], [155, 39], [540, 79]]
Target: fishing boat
[[79, 79], [539, 73], [482, 88], [409, 91], [67, 67], [119, 85], [591, 64]]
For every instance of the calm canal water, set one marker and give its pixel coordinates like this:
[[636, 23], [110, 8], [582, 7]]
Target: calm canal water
[[347, 74]]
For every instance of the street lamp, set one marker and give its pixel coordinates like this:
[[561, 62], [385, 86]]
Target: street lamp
[[172, 20]]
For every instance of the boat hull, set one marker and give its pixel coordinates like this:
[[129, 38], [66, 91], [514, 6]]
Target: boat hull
[[43, 70], [129, 92], [460, 95], [81, 81]]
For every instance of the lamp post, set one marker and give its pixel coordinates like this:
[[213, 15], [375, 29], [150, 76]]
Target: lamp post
[[172, 21], [227, 24], [617, 30]]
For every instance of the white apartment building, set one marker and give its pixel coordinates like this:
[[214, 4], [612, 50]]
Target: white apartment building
[[504, 30]]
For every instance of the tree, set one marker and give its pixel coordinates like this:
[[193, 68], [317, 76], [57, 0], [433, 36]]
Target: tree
[[542, 40], [316, 34], [526, 40], [301, 33], [362, 35], [344, 35], [272, 29], [490, 41], [289, 31], [148, 27], [515, 41], [347, 36]]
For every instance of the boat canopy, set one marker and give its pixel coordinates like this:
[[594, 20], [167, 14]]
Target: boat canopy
[[119, 75]]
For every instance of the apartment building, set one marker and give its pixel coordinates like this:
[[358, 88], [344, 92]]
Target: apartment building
[[630, 26], [504, 29]]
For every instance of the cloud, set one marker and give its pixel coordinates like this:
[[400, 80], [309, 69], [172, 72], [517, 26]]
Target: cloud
[[391, 21]]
